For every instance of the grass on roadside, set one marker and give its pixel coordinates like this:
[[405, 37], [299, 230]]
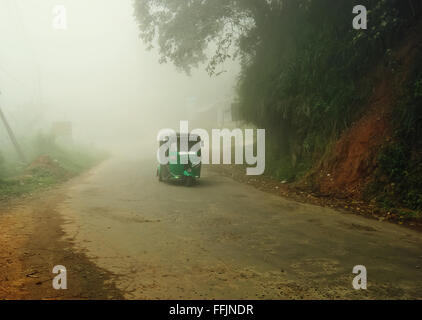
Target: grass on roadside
[[50, 164]]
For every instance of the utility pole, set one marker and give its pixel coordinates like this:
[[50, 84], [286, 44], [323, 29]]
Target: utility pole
[[12, 137]]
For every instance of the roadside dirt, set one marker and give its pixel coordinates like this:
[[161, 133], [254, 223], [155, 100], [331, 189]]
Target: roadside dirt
[[32, 243], [45, 165]]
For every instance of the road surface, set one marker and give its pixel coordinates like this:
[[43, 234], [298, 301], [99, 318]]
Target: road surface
[[223, 240]]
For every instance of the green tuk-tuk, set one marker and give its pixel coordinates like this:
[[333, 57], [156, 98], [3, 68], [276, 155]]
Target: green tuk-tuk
[[180, 167]]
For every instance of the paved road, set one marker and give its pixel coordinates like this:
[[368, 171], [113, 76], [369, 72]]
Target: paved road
[[223, 239]]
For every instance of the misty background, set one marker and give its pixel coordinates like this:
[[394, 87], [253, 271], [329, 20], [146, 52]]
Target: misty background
[[97, 75]]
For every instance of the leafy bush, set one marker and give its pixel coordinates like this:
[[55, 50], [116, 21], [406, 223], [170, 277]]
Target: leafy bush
[[398, 178]]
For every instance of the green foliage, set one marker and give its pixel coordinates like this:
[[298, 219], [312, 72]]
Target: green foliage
[[398, 178], [408, 114], [1, 164], [393, 162], [184, 29], [66, 162]]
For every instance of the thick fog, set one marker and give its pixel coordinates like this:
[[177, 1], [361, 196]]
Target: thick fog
[[96, 74]]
